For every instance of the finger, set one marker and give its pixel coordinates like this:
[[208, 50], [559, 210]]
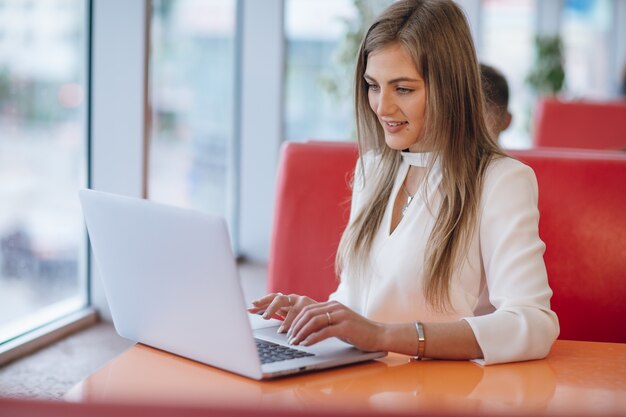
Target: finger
[[279, 302], [340, 327], [316, 324], [301, 318], [307, 313], [284, 327], [322, 334], [265, 300], [282, 313], [257, 308], [297, 304], [311, 321], [260, 305], [292, 313]]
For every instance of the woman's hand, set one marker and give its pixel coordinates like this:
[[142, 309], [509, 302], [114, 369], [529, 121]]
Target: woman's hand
[[285, 306], [307, 321], [319, 321]]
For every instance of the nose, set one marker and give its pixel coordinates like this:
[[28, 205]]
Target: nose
[[385, 105]]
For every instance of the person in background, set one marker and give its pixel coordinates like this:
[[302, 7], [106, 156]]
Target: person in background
[[441, 257], [496, 92]]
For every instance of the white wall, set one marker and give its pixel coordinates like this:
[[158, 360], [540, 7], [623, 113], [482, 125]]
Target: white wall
[[117, 106], [261, 122]]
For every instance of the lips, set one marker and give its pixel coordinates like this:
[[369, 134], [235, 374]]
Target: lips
[[394, 126]]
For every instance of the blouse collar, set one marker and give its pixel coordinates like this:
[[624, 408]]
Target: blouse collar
[[418, 159]]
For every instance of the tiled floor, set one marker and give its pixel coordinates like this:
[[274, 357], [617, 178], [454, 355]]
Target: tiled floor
[[52, 371]]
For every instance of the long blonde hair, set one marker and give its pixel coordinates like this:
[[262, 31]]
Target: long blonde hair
[[435, 33]]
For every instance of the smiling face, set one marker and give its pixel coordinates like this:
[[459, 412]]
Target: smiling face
[[397, 95]]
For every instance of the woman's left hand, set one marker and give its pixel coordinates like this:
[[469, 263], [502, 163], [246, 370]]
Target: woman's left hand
[[319, 321]]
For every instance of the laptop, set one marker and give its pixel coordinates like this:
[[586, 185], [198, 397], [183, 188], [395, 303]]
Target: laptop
[[172, 283]]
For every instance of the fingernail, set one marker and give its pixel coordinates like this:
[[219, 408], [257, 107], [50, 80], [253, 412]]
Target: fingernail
[[305, 342], [266, 316], [289, 333], [290, 341], [281, 329]]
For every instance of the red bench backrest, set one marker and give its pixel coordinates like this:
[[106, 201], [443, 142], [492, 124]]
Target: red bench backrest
[[585, 125], [582, 203]]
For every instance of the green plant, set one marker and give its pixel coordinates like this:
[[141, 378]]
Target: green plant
[[547, 75]]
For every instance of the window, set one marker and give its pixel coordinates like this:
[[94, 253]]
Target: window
[[320, 65], [507, 30], [586, 32], [42, 162], [192, 100]]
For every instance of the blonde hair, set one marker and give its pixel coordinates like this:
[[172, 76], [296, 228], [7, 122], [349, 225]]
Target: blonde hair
[[435, 33]]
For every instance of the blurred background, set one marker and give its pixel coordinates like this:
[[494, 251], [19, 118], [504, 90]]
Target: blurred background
[[197, 76]]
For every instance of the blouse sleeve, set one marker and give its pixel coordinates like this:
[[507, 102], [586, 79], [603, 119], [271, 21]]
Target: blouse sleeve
[[522, 327]]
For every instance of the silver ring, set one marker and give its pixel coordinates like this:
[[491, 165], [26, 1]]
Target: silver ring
[[330, 321]]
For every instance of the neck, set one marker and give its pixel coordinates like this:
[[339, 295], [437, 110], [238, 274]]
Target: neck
[[413, 178], [421, 145]]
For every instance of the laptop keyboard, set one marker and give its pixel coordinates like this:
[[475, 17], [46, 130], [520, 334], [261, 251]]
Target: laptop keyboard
[[271, 352]]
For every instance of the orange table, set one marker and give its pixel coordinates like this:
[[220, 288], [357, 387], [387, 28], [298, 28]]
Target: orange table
[[577, 378]]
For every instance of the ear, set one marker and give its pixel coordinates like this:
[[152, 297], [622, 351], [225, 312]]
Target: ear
[[506, 122]]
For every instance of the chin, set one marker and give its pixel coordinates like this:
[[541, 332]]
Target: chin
[[398, 144]]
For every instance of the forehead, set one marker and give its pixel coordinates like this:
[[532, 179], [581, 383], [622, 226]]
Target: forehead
[[391, 61]]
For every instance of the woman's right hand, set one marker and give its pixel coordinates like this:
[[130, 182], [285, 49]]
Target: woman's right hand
[[286, 306]]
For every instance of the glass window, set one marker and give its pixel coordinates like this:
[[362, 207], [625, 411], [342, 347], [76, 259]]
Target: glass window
[[192, 100], [42, 161], [586, 29], [322, 42], [507, 29]]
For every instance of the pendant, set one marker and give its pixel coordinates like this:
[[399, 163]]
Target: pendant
[[406, 205]]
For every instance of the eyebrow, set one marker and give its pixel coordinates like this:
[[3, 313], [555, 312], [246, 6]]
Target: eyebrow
[[395, 80]]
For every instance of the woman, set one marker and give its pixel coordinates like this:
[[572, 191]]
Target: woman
[[441, 257]]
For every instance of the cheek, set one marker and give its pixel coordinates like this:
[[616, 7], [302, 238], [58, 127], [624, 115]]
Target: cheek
[[421, 110], [371, 98]]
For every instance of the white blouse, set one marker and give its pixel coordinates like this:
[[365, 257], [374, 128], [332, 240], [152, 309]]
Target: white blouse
[[501, 289]]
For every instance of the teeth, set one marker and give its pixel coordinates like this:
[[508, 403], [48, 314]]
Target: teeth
[[393, 124]]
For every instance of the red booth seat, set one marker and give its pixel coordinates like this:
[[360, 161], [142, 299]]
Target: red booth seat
[[582, 203], [585, 125], [312, 209]]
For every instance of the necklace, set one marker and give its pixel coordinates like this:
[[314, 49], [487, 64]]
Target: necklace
[[409, 198]]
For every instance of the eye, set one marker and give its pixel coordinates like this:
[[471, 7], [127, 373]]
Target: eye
[[402, 90], [373, 87]]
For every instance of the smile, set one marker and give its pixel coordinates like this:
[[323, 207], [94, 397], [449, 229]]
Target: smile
[[394, 124]]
